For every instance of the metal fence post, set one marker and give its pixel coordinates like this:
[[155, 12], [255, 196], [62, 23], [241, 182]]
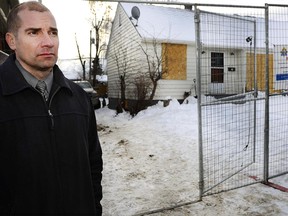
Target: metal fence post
[[266, 126], [198, 93], [255, 91]]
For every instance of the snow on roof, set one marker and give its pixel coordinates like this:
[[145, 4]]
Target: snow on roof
[[163, 23], [175, 24]]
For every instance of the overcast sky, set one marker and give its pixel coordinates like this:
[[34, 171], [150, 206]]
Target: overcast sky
[[72, 17]]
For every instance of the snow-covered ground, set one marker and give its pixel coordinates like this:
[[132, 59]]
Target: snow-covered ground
[[151, 163]]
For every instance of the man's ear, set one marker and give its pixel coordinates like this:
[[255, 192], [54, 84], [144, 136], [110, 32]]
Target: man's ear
[[10, 39]]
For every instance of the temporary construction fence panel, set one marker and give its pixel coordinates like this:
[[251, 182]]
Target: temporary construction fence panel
[[241, 63], [277, 163]]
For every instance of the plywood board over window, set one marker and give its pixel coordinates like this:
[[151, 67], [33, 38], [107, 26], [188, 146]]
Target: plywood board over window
[[174, 61], [260, 64]]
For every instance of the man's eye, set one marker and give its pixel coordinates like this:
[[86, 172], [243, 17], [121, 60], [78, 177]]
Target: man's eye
[[32, 33], [55, 33]]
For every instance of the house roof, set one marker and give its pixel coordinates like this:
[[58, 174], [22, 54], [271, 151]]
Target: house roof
[[163, 23], [178, 25]]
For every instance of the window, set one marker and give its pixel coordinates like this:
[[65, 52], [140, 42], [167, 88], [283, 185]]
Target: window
[[217, 67], [174, 61]]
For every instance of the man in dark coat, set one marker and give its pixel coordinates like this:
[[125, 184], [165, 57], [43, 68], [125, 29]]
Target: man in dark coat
[[50, 155]]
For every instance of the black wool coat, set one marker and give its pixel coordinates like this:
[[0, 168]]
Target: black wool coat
[[50, 155]]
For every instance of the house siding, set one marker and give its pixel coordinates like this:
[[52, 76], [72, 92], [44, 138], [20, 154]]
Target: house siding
[[123, 43]]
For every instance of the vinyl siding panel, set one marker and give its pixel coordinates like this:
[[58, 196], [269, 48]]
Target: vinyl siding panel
[[124, 48]]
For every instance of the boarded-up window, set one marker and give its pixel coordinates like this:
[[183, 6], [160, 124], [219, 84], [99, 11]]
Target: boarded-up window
[[174, 61], [261, 68]]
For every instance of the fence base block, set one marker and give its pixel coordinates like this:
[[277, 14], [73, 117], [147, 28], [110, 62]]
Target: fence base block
[[276, 186], [271, 184]]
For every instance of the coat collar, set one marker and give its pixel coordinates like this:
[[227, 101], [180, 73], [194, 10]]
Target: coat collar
[[12, 81]]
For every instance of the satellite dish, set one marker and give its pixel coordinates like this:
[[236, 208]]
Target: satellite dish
[[135, 12]]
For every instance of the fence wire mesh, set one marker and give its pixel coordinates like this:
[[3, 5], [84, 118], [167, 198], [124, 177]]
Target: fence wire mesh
[[234, 59], [278, 136]]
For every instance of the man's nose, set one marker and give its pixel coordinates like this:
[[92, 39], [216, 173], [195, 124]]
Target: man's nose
[[47, 40]]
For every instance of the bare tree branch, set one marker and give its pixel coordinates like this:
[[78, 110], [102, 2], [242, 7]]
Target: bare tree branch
[[80, 58]]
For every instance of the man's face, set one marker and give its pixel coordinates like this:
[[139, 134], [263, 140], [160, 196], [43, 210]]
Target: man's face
[[36, 43]]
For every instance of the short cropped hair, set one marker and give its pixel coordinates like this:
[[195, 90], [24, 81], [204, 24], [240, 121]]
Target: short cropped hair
[[14, 21]]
